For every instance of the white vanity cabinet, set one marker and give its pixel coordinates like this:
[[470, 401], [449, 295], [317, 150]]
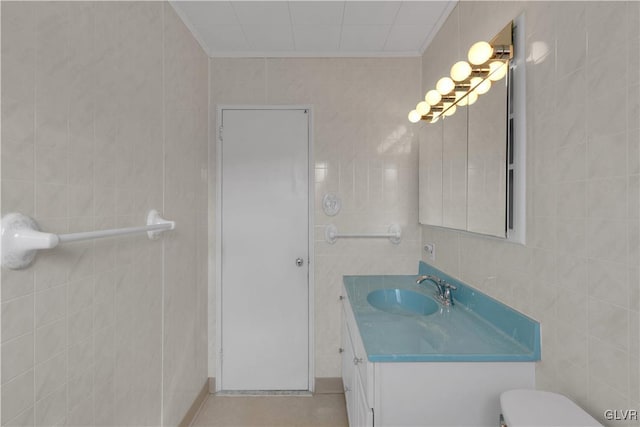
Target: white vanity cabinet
[[440, 393]]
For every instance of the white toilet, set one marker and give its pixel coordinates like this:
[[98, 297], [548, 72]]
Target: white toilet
[[534, 408]]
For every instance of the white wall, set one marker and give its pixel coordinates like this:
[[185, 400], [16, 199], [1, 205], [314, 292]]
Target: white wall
[[579, 272], [364, 150], [104, 113]]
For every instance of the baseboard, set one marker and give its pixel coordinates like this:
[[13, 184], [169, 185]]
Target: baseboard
[[329, 386], [195, 406], [265, 393], [325, 385]]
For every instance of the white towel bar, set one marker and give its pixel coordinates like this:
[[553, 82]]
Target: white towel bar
[[22, 238], [394, 235]]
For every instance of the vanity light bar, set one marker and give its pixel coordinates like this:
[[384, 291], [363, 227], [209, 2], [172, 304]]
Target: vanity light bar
[[487, 62], [478, 82]]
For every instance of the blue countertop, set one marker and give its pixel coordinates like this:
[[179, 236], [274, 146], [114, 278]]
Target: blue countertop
[[476, 328]]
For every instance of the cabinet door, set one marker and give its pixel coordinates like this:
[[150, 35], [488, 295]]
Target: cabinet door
[[348, 371], [355, 369], [454, 171], [487, 163], [430, 174], [364, 414]]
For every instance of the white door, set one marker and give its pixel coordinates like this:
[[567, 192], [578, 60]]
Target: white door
[[265, 249]]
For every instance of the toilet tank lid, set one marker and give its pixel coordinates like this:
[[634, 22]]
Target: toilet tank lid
[[527, 408]]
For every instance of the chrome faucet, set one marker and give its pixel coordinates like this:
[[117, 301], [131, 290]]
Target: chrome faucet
[[444, 288]]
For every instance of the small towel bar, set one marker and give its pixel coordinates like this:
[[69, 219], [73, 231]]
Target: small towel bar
[[22, 238], [394, 235]]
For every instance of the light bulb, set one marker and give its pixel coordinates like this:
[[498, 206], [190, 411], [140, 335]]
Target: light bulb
[[445, 85], [463, 101], [451, 111], [480, 86], [472, 97], [414, 116], [497, 70], [480, 53], [423, 108], [483, 87], [435, 118], [433, 97], [460, 71]]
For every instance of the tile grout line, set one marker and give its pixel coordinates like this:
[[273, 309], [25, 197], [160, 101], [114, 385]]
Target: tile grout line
[[35, 138], [164, 186], [586, 213], [93, 184], [66, 290]]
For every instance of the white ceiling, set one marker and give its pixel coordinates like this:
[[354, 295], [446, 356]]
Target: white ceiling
[[313, 28]]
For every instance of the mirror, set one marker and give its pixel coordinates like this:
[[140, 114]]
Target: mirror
[[430, 174], [464, 166], [454, 170], [487, 162]]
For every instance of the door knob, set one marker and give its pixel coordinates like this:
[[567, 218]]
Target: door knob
[[299, 262]]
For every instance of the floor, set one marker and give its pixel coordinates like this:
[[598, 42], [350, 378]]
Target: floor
[[325, 409]]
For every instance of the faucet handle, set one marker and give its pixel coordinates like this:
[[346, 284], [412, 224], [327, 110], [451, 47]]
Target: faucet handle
[[449, 286], [448, 296]]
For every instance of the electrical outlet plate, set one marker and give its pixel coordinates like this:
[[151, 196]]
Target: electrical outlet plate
[[430, 249]]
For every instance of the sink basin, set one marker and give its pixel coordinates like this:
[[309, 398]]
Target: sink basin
[[402, 301]]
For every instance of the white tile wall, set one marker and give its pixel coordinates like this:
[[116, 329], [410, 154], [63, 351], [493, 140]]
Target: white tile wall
[[104, 112], [94, 357], [578, 273], [364, 151]]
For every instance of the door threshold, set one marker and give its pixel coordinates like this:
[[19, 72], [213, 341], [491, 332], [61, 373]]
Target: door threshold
[[262, 393]]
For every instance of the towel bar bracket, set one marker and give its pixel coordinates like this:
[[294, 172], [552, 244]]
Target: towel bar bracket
[[20, 240], [154, 218]]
